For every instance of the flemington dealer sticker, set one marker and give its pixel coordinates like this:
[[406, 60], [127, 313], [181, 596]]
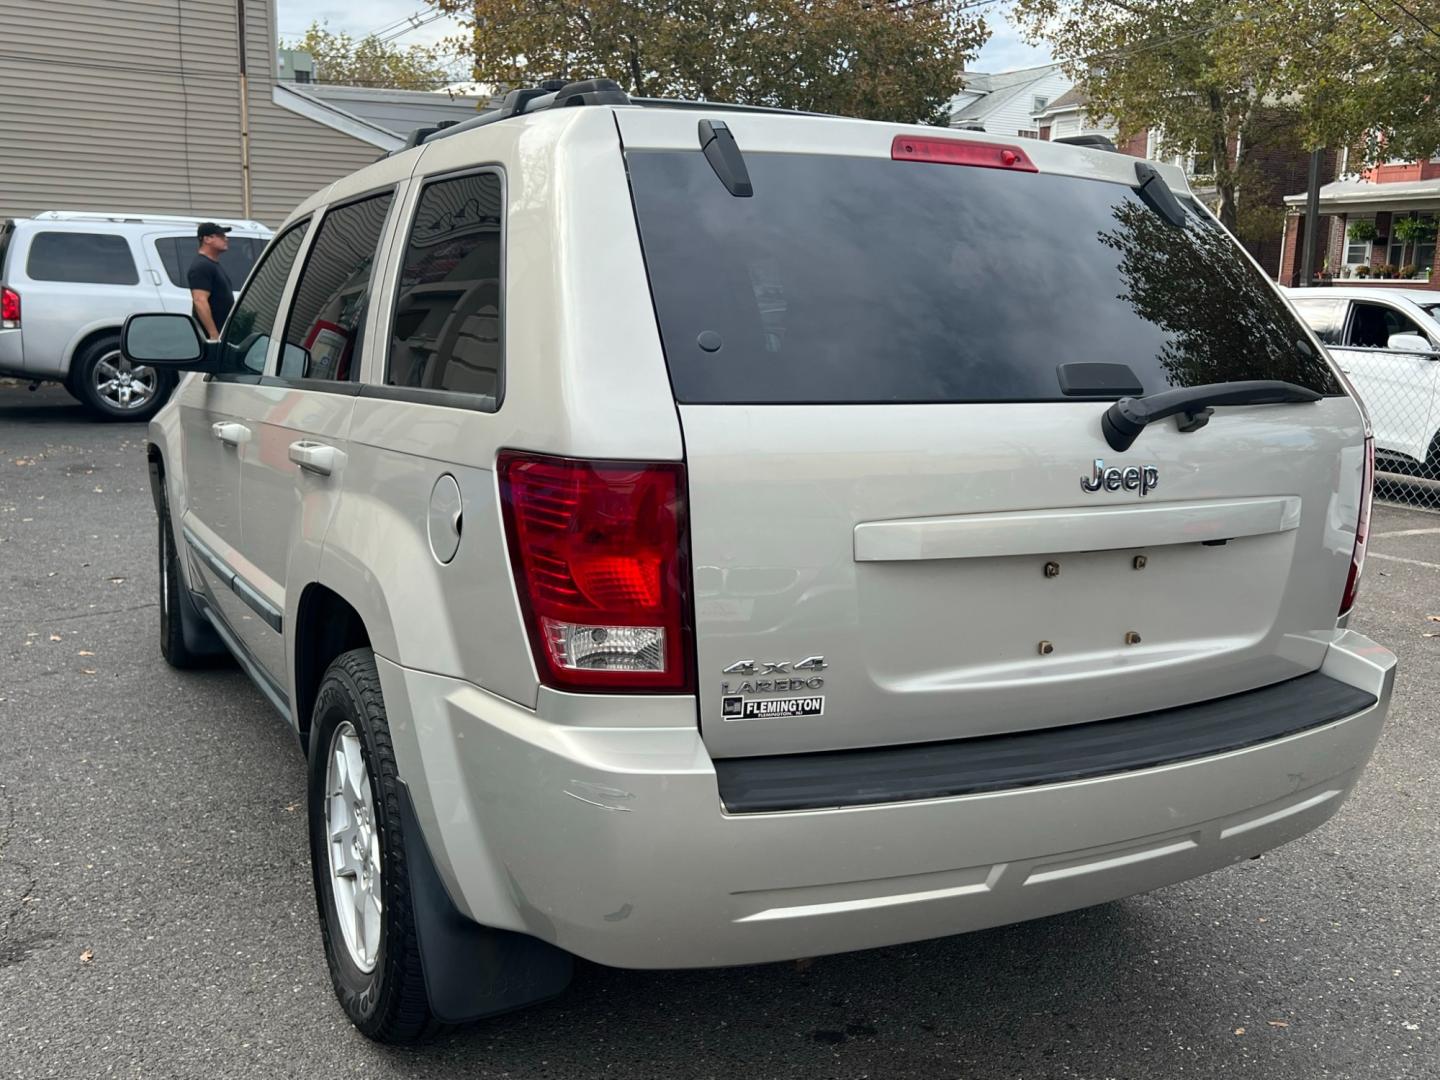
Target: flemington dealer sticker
[[735, 707]]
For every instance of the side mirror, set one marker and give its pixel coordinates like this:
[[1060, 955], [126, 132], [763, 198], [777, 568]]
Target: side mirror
[[163, 340], [1409, 343]]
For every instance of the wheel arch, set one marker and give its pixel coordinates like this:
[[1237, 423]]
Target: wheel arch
[[326, 625], [86, 337]]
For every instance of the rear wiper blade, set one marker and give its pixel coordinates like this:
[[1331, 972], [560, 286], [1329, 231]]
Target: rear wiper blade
[[1123, 421]]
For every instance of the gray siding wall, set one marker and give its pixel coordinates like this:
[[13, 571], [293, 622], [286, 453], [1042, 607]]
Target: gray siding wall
[[133, 105]]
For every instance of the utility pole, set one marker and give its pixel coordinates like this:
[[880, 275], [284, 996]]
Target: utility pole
[[244, 111], [1312, 220]]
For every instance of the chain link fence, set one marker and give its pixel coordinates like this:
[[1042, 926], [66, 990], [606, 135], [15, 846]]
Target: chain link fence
[[1402, 396]]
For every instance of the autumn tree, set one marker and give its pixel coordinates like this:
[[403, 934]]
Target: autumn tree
[[883, 59], [368, 61], [1205, 73]]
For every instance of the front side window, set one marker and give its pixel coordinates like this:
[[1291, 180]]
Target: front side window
[[246, 334], [447, 328], [1325, 317], [178, 252], [1371, 326], [81, 258], [323, 336]]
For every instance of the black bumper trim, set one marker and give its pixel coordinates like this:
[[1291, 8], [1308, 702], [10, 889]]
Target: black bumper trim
[[1054, 755]]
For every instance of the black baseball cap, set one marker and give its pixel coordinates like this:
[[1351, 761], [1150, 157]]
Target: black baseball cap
[[209, 228]]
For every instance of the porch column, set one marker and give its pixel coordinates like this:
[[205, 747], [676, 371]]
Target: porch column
[[1290, 251]]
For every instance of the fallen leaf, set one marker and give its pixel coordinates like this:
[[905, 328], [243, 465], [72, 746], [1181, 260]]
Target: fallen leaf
[[1431, 633], [87, 671], [1433, 618], [86, 652], [55, 637], [1239, 1031], [1278, 1023], [292, 807], [87, 956], [117, 581]]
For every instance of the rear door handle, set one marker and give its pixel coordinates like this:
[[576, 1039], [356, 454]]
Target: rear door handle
[[314, 457], [231, 434]]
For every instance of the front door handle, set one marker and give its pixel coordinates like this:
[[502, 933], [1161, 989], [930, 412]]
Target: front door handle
[[314, 457], [231, 434]]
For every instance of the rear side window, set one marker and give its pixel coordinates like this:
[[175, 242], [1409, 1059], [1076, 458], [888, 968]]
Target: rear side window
[[7, 230], [81, 258], [323, 336], [178, 252], [1325, 317], [847, 279], [248, 329], [447, 327]]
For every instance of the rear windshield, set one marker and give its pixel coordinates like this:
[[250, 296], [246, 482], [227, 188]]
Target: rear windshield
[[847, 279]]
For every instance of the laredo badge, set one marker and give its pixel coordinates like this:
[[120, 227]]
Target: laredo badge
[[735, 707]]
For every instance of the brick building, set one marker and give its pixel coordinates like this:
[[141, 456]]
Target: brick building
[[1379, 197]]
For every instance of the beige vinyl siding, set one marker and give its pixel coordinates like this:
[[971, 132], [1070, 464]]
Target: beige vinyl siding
[[134, 105], [107, 107]]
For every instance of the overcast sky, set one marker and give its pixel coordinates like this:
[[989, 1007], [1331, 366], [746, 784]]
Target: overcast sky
[[1002, 52]]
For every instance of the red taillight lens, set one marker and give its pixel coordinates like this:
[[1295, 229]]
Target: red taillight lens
[[9, 309], [600, 553], [1362, 529], [984, 155]]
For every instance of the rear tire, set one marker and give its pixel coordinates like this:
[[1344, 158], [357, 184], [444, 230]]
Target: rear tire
[[359, 853], [105, 383]]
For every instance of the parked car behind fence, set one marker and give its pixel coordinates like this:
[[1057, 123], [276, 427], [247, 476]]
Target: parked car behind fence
[[1387, 341], [68, 279]]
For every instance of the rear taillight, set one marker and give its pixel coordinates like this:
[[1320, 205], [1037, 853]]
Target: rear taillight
[[600, 553], [9, 309], [984, 155], [1362, 530]]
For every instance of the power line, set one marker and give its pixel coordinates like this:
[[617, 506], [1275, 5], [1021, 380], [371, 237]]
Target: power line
[[1417, 20]]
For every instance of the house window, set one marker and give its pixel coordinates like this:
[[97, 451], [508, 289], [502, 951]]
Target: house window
[[1357, 252], [1038, 103], [1030, 134], [1421, 255]]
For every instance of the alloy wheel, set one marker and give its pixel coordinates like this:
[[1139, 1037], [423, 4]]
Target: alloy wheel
[[123, 386], [354, 846]]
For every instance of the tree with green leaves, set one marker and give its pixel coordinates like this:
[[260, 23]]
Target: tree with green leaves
[[340, 58], [884, 59], [1206, 74]]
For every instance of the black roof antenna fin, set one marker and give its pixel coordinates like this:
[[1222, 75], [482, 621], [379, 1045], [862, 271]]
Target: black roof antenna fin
[[725, 158]]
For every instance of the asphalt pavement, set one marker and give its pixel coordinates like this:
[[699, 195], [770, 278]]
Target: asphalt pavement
[[157, 919]]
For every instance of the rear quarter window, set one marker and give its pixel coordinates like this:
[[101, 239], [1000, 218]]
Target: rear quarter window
[[81, 258], [866, 280]]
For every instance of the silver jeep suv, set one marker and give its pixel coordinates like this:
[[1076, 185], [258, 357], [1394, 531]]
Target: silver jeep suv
[[682, 536]]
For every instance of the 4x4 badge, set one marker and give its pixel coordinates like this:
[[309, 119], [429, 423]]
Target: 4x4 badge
[[774, 667], [1142, 478]]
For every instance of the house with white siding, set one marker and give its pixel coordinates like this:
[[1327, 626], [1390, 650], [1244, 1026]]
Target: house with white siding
[[163, 107], [1005, 103]]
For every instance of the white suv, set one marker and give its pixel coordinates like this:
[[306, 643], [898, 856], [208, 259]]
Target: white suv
[[68, 279], [682, 536]]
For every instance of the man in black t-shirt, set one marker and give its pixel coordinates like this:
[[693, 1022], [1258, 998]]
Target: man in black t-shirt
[[210, 288]]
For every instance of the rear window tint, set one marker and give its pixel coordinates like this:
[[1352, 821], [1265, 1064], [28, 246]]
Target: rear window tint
[[447, 326], [178, 252], [847, 279], [88, 258]]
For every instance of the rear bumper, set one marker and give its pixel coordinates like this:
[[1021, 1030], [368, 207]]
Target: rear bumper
[[612, 842], [12, 357]]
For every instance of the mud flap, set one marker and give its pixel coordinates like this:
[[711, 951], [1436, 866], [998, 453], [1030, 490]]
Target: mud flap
[[472, 971]]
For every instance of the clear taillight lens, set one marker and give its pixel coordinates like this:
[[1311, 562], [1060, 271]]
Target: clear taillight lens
[[9, 309], [1362, 530], [600, 554]]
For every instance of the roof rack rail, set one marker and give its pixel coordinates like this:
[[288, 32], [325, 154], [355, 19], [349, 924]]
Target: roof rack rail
[[1095, 142], [550, 94]]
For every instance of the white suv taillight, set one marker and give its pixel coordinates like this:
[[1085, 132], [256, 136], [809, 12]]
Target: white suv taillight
[[9, 308], [1362, 530], [601, 559]]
